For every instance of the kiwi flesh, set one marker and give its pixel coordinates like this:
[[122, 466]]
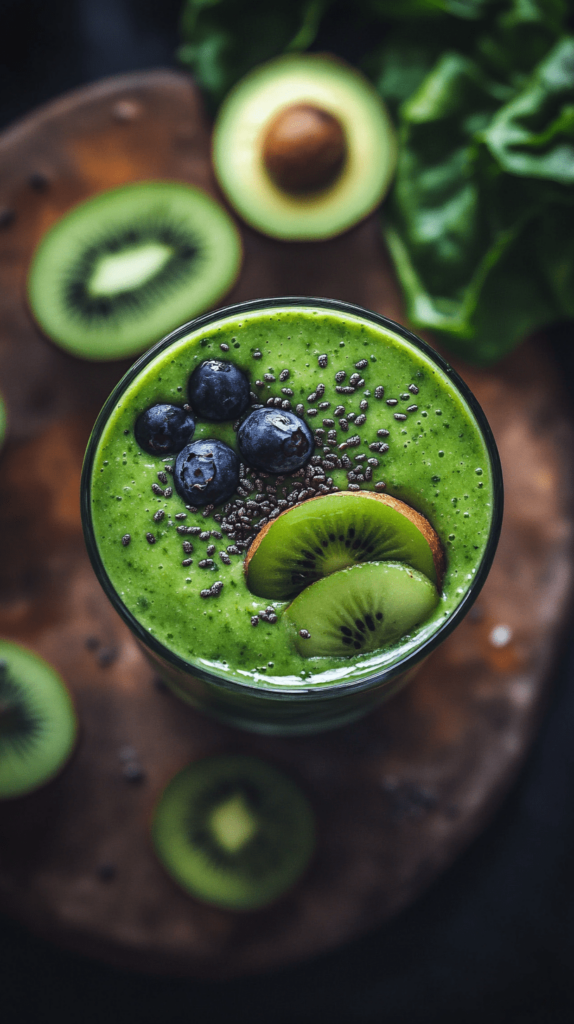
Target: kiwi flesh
[[359, 609], [327, 534], [37, 722], [124, 268], [233, 831]]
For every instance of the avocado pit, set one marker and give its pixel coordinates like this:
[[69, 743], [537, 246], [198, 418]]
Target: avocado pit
[[304, 148]]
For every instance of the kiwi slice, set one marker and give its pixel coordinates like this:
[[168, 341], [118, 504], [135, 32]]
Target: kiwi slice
[[233, 831], [359, 609], [129, 265], [324, 535], [37, 721]]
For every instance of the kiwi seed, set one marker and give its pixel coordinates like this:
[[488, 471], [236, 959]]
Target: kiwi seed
[[233, 831], [37, 721]]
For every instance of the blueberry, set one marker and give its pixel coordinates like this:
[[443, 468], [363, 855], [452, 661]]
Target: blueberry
[[218, 390], [206, 472], [275, 441], [164, 429]]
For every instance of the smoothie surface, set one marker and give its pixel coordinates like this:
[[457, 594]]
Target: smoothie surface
[[437, 462]]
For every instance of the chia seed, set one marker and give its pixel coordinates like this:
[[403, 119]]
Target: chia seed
[[180, 515], [187, 547], [254, 620], [412, 408], [344, 390], [217, 587], [392, 401], [287, 391], [339, 411], [311, 412], [205, 563], [413, 389], [224, 558], [284, 375], [400, 416], [323, 361], [305, 634], [312, 397], [360, 420], [158, 516], [362, 364], [299, 409], [328, 423], [379, 391], [187, 561], [354, 379], [162, 477], [353, 487], [150, 538], [269, 377], [380, 485], [205, 593], [157, 490], [340, 376], [363, 405], [257, 354], [382, 433], [224, 347], [126, 539], [211, 549]]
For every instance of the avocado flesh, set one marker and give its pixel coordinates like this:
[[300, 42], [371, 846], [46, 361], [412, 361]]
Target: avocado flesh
[[360, 609], [238, 147]]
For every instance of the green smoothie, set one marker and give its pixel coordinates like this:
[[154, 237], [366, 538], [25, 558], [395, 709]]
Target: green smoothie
[[434, 457]]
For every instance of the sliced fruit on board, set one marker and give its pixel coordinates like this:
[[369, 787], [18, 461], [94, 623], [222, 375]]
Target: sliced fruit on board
[[324, 535], [37, 721], [303, 147], [127, 266], [359, 609], [233, 831]]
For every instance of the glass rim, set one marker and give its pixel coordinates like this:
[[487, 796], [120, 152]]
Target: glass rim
[[288, 692]]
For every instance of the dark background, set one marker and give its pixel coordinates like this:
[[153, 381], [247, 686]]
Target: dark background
[[493, 940]]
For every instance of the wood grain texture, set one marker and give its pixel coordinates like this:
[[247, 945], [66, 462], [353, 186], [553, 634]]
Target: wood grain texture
[[397, 795]]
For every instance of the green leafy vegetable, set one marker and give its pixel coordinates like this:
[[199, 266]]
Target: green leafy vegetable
[[480, 222]]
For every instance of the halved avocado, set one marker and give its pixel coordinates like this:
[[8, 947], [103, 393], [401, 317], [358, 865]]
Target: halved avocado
[[343, 123]]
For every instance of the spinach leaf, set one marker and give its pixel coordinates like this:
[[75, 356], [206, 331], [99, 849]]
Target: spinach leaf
[[480, 221]]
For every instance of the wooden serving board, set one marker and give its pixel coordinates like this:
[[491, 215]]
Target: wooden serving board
[[397, 795]]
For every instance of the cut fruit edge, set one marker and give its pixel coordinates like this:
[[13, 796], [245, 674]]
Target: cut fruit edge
[[416, 518], [332, 85]]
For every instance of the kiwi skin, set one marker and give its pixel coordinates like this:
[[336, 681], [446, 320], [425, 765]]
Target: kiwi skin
[[38, 724], [246, 867], [418, 520]]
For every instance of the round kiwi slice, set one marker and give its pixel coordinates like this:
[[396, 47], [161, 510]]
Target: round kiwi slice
[[37, 721], [129, 265], [324, 535], [233, 831], [359, 609]]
